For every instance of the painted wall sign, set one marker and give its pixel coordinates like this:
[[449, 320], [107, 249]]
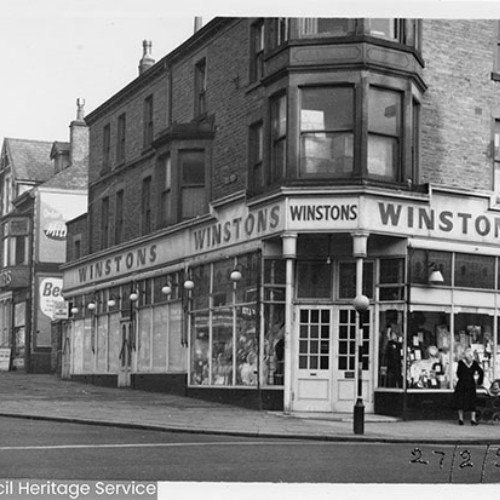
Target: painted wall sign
[[54, 209]]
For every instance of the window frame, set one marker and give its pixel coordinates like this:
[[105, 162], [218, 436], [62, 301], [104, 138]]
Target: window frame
[[148, 122], [121, 140], [119, 221], [257, 48], [182, 186], [106, 146], [105, 222], [276, 137], [200, 88], [256, 156], [146, 206], [326, 131]]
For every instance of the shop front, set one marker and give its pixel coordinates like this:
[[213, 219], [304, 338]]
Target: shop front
[[254, 304]]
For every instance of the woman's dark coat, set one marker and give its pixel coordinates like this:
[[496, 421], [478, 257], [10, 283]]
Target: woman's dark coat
[[464, 397]]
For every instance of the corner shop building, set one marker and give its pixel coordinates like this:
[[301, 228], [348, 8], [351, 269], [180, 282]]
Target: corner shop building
[[283, 336]]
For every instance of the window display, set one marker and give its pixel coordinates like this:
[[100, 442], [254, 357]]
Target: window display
[[246, 346], [474, 331], [199, 349], [391, 349], [428, 347], [274, 333]]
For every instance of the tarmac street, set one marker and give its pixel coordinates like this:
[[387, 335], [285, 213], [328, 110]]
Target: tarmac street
[[50, 398]]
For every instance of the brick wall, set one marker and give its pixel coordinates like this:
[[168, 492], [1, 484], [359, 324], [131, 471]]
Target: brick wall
[[456, 112]]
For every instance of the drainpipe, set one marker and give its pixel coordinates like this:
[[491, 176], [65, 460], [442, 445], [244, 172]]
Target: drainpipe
[[290, 254]]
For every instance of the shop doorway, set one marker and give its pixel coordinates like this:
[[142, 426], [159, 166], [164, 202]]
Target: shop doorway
[[324, 360], [125, 356]]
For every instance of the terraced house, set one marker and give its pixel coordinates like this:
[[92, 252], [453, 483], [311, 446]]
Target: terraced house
[[248, 186]]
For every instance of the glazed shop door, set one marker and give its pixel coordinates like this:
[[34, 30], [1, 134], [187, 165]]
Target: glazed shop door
[[312, 382], [125, 357], [344, 361]]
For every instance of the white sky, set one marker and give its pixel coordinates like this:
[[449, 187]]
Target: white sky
[[54, 51]]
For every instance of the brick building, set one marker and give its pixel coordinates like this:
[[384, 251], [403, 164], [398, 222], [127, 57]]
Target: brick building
[[247, 187], [43, 185]]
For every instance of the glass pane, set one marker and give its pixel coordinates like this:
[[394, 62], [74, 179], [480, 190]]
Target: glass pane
[[474, 271], [382, 156], [200, 294], [391, 349], [222, 347], [199, 348], [384, 112], [274, 328], [421, 262], [314, 331], [314, 316], [314, 280], [193, 167], [323, 363], [326, 153], [382, 27], [475, 332], [160, 329], [429, 349], [326, 26], [391, 271], [303, 347], [347, 286], [246, 346], [275, 272], [314, 347], [303, 362], [279, 116], [327, 109], [313, 361], [193, 202]]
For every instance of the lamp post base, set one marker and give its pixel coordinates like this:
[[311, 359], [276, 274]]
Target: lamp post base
[[359, 417]]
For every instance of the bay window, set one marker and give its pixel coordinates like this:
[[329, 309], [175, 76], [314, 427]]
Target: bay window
[[384, 133], [278, 137], [193, 200], [326, 131]]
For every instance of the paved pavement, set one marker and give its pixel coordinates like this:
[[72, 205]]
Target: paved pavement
[[49, 397]]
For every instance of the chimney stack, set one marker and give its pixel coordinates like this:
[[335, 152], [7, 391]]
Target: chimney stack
[[147, 59], [79, 136], [198, 23]]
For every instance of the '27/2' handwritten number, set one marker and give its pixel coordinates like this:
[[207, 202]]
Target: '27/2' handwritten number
[[443, 454]]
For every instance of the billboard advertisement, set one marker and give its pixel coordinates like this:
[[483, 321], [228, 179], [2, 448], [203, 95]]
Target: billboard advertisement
[[55, 209]]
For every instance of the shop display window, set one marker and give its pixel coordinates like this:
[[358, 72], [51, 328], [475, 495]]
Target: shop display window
[[200, 293], [247, 346], [114, 345], [200, 338], [347, 280], [274, 348], [474, 331], [314, 280], [246, 289], [222, 291], [102, 334], [222, 346], [144, 341], [391, 353], [161, 319], [87, 346], [428, 356]]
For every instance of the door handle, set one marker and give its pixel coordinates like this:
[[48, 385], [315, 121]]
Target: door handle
[[313, 374]]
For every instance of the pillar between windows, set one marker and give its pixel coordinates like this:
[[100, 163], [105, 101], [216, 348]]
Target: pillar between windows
[[290, 254]]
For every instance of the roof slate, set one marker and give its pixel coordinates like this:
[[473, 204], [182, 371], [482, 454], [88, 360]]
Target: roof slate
[[30, 160]]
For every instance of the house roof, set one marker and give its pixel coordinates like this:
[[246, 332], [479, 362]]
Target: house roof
[[73, 177], [30, 160]]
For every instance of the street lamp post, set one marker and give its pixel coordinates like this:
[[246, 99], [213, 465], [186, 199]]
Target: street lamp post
[[361, 304]]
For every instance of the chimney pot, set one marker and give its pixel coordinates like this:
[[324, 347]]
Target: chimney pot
[[147, 59]]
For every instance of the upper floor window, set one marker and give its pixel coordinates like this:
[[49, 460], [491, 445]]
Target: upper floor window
[[326, 131], [121, 140], [106, 146], [166, 193], [105, 222], [256, 147], [146, 222], [326, 26], [280, 32], [193, 200], [385, 28], [257, 51], [200, 88], [119, 216], [77, 247], [15, 242], [278, 137], [384, 133], [148, 121]]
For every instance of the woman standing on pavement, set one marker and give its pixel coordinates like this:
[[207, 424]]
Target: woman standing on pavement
[[464, 397]]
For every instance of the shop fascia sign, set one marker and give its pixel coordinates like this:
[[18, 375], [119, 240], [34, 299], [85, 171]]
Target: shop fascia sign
[[445, 216], [237, 225]]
